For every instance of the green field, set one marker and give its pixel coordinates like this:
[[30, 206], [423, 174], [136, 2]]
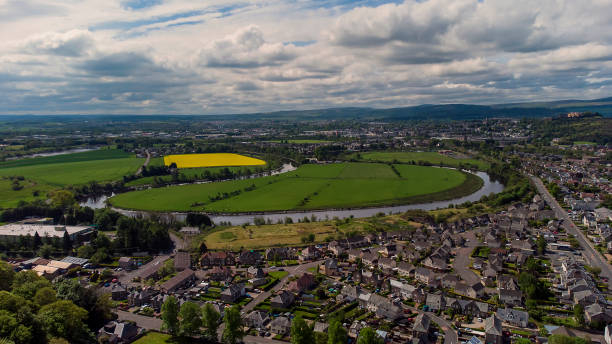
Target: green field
[[43, 174], [431, 157], [344, 185], [163, 338], [191, 173]]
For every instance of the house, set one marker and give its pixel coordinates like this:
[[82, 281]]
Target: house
[[513, 317], [220, 273], [280, 325], [189, 231], [254, 272], [232, 293], [370, 277], [249, 258], [282, 300], [305, 282], [423, 275], [405, 269], [330, 267], [382, 307], [336, 248], [182, 261], [257, 319], [127, 263], [510, 297], [507, 282], [210, 259], [321, 327], [450, 281], [119, 292], [278, 253], [118, 332], [370, 259], [309, 253], [435, 302], [493, 330], [421, 327], [597, 313], [180, 280], [349, 293]]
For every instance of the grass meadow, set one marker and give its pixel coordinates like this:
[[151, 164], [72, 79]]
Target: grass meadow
[[434, 158], [343, 185]]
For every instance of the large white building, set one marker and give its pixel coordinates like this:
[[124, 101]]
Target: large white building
[[14, 230]]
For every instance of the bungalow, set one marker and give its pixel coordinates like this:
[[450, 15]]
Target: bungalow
[[127, 263], [281, 325]]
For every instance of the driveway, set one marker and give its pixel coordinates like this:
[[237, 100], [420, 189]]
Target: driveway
[[462, 261]]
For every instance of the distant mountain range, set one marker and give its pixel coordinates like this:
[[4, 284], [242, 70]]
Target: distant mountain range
[[427, 111]]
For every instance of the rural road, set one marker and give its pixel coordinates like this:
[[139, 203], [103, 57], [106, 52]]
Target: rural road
[[592, 256], [146, 163]]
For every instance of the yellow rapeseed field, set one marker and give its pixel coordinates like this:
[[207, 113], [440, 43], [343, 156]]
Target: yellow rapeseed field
[[211, 160]]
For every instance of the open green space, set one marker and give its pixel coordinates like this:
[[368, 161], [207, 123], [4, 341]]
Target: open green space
[[344, 185], [189, 173], [434, 158], [164, 338], [37, 176]]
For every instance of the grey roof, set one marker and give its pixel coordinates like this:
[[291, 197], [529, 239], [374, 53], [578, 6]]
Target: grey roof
[[512, 315], [493, 326], [75, 260], [421, 323], [281, 321]]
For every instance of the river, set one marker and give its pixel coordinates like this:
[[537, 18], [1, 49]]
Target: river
[[488, 187]]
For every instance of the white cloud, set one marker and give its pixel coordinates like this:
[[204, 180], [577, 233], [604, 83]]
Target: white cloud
[[180, 56]]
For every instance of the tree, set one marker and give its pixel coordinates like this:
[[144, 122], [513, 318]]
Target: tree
[[336, 333], [211, 320], [62, 199], [541, 245], [368, 336], [64, 319], [45, 296], [37, 241], [191, 319], [45, 251], [170, 310], [26, 283], [6, 275], [301, 333], [66, 242], [233, 331], [579, 314]]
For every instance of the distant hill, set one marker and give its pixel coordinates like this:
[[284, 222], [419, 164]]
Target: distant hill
[[427, 111]]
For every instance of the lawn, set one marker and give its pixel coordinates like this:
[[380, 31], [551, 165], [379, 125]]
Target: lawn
[[431, 157], [344, 185], [163, 338], [211, 160]]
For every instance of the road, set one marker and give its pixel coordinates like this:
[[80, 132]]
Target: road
[[461, 264], [592, 256], [292, 271], [450, 335], [179, 243], [146, 163]]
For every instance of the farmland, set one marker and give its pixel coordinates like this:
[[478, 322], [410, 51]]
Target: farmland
[[211, 160], [433, 158], [343, 185], [74, 169], [44, 174]]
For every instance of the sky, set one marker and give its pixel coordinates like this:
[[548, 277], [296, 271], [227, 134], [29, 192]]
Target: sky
[[219, 57]]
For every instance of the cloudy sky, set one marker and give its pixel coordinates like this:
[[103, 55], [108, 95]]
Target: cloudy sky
[[213, 57]]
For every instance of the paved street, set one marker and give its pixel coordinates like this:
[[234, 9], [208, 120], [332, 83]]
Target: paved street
[[591, 255], [462, 259]]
